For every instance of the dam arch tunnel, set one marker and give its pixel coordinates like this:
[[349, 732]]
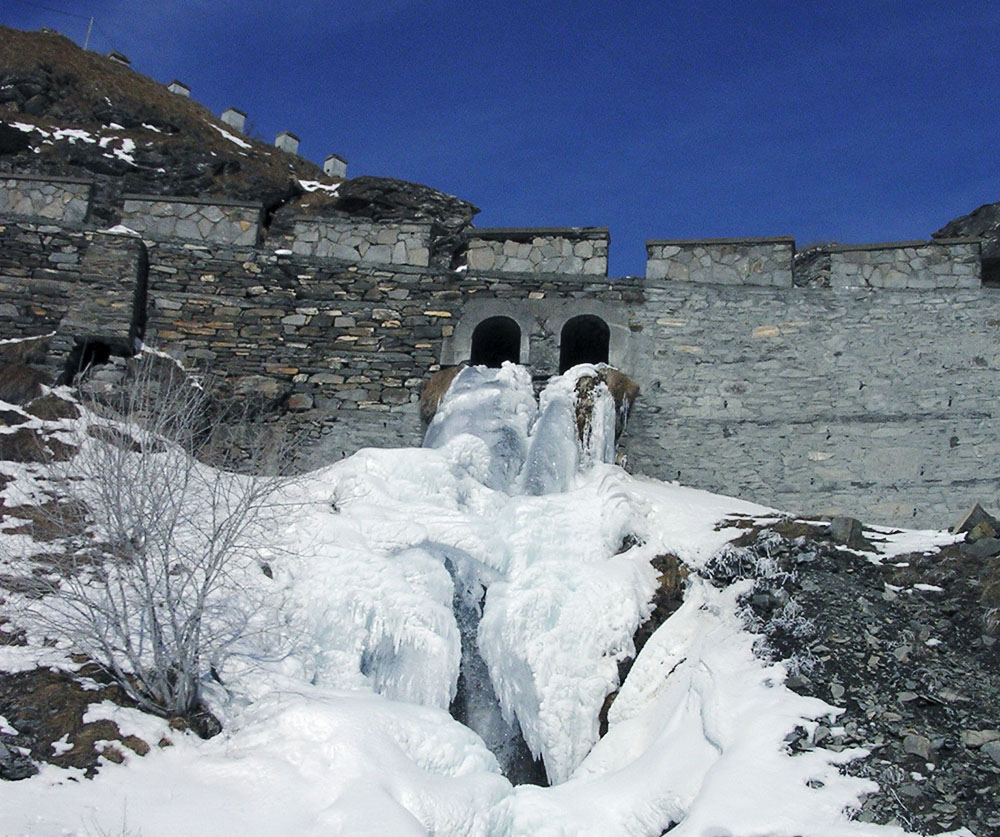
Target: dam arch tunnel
[[495, 340], [584, 339]]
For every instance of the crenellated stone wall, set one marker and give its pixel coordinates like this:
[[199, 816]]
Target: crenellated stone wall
[[64, 199], [917, 265], [363, 241], [567, 250], [722, 261], [213, 219]]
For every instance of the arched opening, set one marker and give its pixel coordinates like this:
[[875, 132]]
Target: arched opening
[[495, 340], [584, 339]]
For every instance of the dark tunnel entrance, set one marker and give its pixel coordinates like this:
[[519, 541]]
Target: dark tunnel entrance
[[495, 340], [584, 339]]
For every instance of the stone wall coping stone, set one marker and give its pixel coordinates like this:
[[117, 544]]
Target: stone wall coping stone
[[695, 242], [353, 220], [199, 201], [524, 235], [972, 239], [897, 245], [44, 178]]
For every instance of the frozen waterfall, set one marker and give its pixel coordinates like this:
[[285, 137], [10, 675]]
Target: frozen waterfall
[[515, 445]]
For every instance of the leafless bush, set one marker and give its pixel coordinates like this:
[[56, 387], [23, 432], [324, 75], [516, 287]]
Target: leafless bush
[[152, 590]]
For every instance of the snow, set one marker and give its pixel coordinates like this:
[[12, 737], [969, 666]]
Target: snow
[[242, 143], [509, 528], [893, 542], [928, 588], [121, 229], [316, 186], [61, 746]]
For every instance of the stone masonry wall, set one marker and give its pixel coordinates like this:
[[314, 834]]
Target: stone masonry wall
[[81, 283], [572, 250], [346, 347], [920, 265], [62, 199], [876, 402], [722, 261], [212, 220], [363, 241], [881, 404]]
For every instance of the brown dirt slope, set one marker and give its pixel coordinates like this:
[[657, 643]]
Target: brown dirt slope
[[47, 81]]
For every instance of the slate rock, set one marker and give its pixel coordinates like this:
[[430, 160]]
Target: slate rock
[[993, 751], [984, 548], [846, 530], [983, 223], [14, 766], [917, 745], [13, 141], [974, 516], [385, 198]]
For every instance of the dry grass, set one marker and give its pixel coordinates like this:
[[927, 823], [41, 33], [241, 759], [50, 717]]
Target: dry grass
[[26, 445], [623, 389], [434, 390], [20, 383], [53, 408], [89, 78]]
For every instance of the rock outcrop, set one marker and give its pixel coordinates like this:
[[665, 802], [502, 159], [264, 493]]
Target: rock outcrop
[[983, 223]]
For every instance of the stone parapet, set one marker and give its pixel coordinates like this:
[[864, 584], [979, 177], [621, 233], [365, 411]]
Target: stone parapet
[[363, 241], [566, 250], [214, 220], [914, 265], [722, 261], [64, 199]]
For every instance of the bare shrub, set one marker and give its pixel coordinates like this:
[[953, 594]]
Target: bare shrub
[[152, 590]]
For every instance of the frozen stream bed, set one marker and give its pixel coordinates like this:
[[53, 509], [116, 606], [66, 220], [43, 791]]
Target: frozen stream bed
[[506, 529]]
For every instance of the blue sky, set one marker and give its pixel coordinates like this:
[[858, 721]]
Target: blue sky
[[861, 121]]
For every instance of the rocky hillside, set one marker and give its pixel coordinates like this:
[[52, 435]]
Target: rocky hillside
[[982, 223], [68, 112]]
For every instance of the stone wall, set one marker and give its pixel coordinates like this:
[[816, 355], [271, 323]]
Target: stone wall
[[363, 241], [722, 261], [82, 283], [65, 199], [346, 347], [881, 404], [876, 402], [918, 265], [212, 220], [567, 250]]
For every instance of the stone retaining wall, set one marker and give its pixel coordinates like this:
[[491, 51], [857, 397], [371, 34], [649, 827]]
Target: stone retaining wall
[[228, 222], [722, 261], [876, 402], [65, 199], [917, 265], [363, 241], [566, 250], [346, 347], [81, 283], [880, 404]]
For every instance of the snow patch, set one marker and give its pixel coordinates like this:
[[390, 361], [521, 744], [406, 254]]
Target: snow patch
[[242, 143]]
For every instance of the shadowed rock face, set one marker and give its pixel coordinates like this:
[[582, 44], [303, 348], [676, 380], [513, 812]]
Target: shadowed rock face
[[384, 198], [982, 223]]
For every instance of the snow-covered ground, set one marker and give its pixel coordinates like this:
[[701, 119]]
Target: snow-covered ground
[[336, 713]]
